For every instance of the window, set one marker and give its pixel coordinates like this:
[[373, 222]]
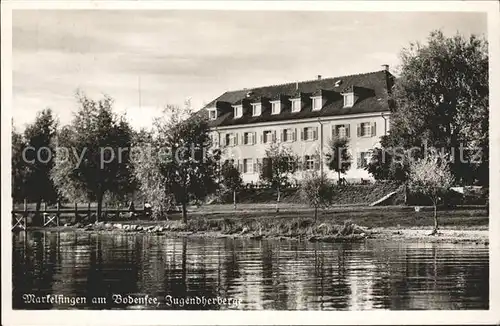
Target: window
[[310, 133], [249, 138], [363, 160], [256, 109], [367, 129], [247, 165], [238, 111], [317, 103], [230, 139], [275, 107], [287, 135], [214, 139], [309, 162], [341, 131], [267, 136], [296, 105], [212, 114], [348, 100]]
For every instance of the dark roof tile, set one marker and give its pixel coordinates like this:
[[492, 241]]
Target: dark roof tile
[[372, 89]]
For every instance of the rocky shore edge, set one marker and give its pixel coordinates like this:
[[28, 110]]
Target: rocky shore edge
[[321, 232]]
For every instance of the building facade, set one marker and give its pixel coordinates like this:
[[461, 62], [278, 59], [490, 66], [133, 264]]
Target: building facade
[[303, 116]]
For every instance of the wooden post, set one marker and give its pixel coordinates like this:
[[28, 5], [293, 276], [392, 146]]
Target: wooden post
[[25, 214], [76, 212], [97, 213], [58, 214]]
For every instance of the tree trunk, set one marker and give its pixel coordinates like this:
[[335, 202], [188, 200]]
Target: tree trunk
[[315, 214], [406, 193], [234, 199], [184, 212], [435, 231], [278, 201], [339, 177]]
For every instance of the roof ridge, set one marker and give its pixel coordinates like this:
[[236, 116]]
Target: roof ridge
[[303, 81]]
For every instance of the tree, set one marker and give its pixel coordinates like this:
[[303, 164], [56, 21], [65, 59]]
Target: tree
[[96, 161], [278, 165], [316, 190], [186, 167], [338, 157], [441, 100], [19, 170], [33, 160], [151, 182], [431, 177], [231, 179]]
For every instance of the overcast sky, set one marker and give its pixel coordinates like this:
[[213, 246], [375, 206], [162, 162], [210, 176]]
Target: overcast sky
[[178, 55]]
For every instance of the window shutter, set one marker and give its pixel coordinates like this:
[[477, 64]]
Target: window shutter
[[334, 131], [347, 131], [374, 129], [262, 137], [254, 138], [224, 140], [282, 135], [238, 166], [302, 134], [359, 129], [315, 133], [295, 135], [358, 164], [256, 165], [236, 136], [274, 136]]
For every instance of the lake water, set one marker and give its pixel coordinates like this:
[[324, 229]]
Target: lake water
[[179, 273]]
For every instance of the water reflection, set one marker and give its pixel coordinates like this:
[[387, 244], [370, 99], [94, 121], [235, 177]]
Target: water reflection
[[262, 274]]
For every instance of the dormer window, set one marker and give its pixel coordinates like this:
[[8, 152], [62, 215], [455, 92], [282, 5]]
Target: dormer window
[[296, 104], [348, 100], [256, 109], [276, 107], [317, 103], [212, 114], [238, 111]]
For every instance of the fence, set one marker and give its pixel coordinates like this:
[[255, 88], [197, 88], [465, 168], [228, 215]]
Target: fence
[[52, 216]]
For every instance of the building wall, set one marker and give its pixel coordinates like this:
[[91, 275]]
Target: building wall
[[256, 152]]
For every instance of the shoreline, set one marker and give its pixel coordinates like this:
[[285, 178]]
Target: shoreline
[[358, 233]]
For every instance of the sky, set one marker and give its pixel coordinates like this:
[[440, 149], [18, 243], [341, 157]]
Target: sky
[[148, 59]]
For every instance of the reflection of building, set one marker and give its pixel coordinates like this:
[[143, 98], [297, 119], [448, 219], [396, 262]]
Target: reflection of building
[[303, 116]]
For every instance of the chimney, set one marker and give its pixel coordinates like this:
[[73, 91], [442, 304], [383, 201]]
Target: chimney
[[385, 67], [319, 77]]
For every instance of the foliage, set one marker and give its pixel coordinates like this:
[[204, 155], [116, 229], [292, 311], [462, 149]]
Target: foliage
[[185, 167], [431, 176], [441, 100], [151, 183], [279, 164], [33, 159], [316, 190], [231, 177], [99, 150], [19, 170], [338, 157]]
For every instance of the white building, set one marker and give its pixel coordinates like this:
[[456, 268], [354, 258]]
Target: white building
[[304, 116]]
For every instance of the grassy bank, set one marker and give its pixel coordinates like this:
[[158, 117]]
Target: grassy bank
[[295, 222]]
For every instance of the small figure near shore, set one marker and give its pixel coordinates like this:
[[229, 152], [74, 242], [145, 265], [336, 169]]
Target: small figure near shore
[[147, 209]]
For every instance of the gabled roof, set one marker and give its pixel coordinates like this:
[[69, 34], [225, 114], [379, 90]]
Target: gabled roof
[[373, 89]]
